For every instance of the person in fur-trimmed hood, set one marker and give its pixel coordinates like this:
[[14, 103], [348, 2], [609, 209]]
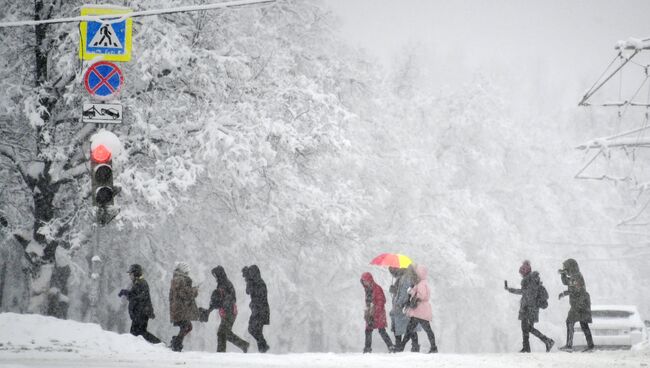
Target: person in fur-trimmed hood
[[418, 308]]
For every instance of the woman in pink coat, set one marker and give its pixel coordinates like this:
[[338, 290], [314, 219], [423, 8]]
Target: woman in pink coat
[[419, 308], [375, 313]]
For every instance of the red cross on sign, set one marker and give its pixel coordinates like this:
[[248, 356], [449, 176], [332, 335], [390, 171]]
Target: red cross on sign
[[103, 80]]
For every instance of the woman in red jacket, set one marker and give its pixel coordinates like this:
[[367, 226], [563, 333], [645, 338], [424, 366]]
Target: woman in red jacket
[[375, 313]]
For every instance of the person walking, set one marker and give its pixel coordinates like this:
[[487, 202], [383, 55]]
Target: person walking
[[224, 299], [400, 296], [375, 312], [182, 304], [419, 309], [580, 302], [140, 307], [531, 288], [260, 312]]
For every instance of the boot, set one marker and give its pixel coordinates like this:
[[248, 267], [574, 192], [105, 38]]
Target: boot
[[244, 346], [415, 346], [525, 346], [549, 344], [433, 350], [176, 344], [367, 350], [569, 338], [263, 348]]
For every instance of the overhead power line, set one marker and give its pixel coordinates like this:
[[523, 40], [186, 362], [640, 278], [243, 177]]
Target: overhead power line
[[113, 18]]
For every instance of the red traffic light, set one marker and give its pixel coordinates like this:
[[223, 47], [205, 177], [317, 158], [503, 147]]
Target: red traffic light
[[100, 154]]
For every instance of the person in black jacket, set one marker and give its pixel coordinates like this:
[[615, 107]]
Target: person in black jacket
[[580, 302], [224, 299], [260, 313], [528, 307], [140, 307]]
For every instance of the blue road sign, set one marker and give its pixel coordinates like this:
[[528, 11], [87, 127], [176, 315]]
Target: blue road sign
[[106, 38], [103, 80]]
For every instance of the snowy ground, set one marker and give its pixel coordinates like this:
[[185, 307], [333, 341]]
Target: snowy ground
[[37, 341]]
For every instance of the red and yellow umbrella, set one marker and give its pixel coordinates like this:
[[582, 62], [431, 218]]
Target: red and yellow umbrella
[[391, 260]]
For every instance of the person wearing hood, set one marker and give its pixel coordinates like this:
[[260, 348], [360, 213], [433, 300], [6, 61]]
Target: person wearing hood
[[528, 306], [580, 302], [182, 304], [375, 312], [400, 295], [260, 312], [418, 308], [224, 299], [140, 307]]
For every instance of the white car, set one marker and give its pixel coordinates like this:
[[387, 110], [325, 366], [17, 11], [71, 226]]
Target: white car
[[613, 327]]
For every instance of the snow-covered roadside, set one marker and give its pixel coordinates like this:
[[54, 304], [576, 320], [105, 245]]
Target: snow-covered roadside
[[38, 341]]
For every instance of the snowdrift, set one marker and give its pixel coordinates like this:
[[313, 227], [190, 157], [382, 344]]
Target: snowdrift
[[32, 332]]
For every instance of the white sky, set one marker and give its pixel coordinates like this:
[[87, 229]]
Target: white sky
[[563, 39]]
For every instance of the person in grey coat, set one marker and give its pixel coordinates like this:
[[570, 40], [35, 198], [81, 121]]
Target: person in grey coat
[[580, 302], [400, 296], [528, 307]]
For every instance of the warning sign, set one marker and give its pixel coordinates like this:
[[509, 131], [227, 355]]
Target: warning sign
[[110, 38]]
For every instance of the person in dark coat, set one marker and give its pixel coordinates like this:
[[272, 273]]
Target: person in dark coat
[[182, 304], [399, 291], [580, 302], [260, 313], [224, 299], [375, 312], [140, 307], [528, 308]]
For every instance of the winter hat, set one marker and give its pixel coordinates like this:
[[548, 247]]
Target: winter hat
[[525, 268], [182, 267], [135, 269]]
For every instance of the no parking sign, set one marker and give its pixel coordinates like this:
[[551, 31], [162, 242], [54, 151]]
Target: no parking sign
[[103, 80]]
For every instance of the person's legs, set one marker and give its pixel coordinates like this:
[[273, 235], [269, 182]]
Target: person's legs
[[386, 338], [255, 329], [415, 345], [225, 334], [547, 341], [525, 335], [177, 341], [142, 331], [569, 336], [410, 329], [590, 340], [367, 346], [432, 337]]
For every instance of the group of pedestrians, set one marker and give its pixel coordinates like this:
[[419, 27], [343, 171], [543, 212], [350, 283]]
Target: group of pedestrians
[[534, 296], [183, 308], [410, 309]]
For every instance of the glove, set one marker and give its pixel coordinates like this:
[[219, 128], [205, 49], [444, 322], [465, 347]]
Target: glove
[[123, 292], [153, 315], [560, 296]]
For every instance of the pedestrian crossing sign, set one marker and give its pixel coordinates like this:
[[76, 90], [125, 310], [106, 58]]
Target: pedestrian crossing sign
[[110, 39]]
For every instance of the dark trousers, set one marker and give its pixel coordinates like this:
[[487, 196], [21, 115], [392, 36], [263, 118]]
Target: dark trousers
[[585, 329], [224, 333], [185, 328], [139, 328], [410, 331], [255, 329], [415, 346], [527, 328], [384, 336]]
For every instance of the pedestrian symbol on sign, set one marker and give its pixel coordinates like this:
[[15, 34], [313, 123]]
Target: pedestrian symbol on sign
[[106, 37]]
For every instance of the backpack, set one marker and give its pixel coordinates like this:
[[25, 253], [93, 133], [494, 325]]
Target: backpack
[[542, 297]]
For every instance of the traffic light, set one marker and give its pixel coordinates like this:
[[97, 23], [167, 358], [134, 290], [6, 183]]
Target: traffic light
[[101, 167]]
